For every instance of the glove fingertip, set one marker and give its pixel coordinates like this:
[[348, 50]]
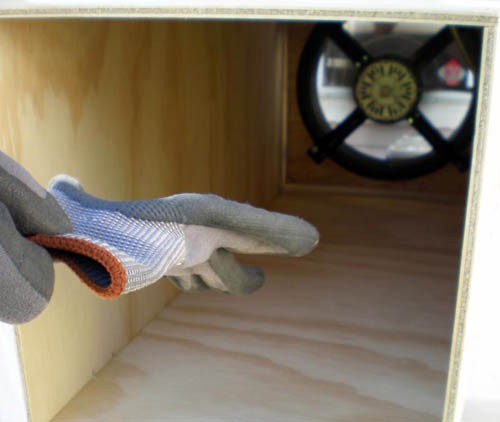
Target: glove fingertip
[[295, 236], [255, 280], [61, 180], [237, 280]]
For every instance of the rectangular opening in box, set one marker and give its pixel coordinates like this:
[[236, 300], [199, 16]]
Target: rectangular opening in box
[[361, 328]]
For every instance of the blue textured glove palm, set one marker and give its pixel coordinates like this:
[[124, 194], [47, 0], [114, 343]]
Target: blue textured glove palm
[[118, 247]]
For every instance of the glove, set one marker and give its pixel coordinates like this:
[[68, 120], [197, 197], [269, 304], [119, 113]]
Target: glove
[[118, 247], [26, 270]]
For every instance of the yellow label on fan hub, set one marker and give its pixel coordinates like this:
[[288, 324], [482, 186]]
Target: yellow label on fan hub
[[386, 90]]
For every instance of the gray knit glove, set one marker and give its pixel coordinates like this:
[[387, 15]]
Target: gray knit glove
[[26, 271], [118, 247]]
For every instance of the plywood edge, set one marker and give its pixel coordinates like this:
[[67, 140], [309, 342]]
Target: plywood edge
[[454, 397], [463, 17]]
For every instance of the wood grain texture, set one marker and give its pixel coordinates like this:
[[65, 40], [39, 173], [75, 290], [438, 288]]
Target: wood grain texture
[[359, 330], [447, 182], [216, 120], [133, 110]]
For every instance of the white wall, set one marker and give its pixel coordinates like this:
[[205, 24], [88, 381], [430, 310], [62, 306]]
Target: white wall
[[479, 387], [12, 397]]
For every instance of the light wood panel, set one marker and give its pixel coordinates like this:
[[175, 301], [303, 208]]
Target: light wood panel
[[134, 110], [447, 182], [216, 120], [359, 330]]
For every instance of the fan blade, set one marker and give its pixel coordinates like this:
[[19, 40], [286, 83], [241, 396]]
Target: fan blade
[[333, 139], [349, 45], [432, 47], [436, 140]]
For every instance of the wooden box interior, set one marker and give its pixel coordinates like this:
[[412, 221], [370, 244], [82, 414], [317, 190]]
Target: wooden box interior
[[359, 330]]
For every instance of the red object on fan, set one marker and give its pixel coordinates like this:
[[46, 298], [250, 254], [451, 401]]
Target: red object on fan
[[452, 73]]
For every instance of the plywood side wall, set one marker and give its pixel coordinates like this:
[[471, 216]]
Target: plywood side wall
[[134, 110], [217, 100]]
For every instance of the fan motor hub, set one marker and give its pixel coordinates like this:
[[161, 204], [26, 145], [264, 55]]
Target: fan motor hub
[[387, 90]]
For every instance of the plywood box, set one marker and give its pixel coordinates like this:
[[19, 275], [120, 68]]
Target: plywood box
[[368, 327]]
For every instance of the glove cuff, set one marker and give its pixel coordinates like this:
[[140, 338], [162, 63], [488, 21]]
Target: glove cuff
[[96, 267]]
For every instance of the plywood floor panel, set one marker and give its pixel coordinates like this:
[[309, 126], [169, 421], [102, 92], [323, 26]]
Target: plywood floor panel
[[357, 331]]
